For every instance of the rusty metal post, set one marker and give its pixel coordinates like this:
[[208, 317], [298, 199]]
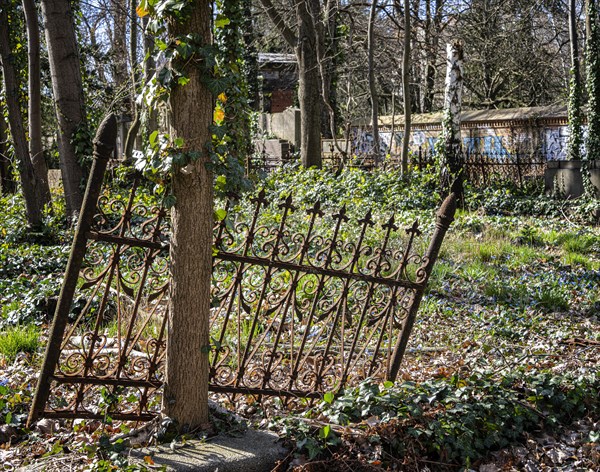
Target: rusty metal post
[[104, 144], [445, 217]]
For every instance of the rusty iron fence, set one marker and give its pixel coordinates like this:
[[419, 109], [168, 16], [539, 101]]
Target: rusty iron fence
[[304, 302], [481, 168]]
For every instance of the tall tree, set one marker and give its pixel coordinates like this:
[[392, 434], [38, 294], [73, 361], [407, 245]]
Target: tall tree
[[34, 203], [7, 184], [304, 42], [432, 32], [186, 377], [513, 61], [406, 86], [372, 81], [67, 88], [450, 154], [575, 92], [593, 80], [36, 150]]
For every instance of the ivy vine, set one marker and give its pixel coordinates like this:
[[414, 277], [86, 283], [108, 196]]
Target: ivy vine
[[575, 118], [222, 70]]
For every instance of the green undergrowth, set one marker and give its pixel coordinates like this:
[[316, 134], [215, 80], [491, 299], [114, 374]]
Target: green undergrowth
[[455, 420], [512, 306], [16, 339]]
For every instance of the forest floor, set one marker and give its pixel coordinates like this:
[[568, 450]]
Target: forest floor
[[502, 371]]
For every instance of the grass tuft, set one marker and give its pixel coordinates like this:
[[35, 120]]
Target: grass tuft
[[18, 339]]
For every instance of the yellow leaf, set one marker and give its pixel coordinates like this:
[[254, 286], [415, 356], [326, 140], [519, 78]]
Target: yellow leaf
[[141, 12], [222, 97], [218, 115], [148, 460]]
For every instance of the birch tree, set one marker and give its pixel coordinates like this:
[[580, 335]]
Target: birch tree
[[450, 149]]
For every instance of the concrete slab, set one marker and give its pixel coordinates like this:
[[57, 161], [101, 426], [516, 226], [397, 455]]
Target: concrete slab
[[255, 451]]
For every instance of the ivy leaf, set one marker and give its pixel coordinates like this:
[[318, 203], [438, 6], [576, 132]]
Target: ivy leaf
[[169, 201], [219, 115], [325, 431], [164, 76], [179, 142], [142, 9], [221, 21], [153, 138], [220, 215], [328, 398], [160, 44], [221, 182]]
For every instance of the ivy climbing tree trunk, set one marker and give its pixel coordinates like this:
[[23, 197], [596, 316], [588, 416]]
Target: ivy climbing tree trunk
[[575, 93], [7, 184], [36, 150], [406, 86], [372, 82], [34, 203], [186, 378], [593, 80], [450, 153], [67, 88]]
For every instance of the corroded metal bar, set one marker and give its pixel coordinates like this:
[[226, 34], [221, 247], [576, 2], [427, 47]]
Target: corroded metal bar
[[251, 260], [445, 217], [104, 143], [126, 241], [65, 379], [265, 391]]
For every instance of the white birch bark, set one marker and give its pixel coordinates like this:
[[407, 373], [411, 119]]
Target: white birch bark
[[451, 167]]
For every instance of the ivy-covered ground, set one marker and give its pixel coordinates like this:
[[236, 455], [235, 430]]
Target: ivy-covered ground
[[502, 371]]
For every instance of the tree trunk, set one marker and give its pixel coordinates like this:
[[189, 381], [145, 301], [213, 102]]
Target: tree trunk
[[432, 32], [134, 128], [67, 88], [7, 184], [451, 164], [186, 377], [31, 191], [575, 92], [118, 48], [250, 56], [406, 87], [372, 83], [593, 80], [151, 117], [309, 86], [36, 150], [327, 57]]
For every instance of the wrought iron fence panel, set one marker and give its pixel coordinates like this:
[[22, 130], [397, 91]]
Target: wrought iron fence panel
[[305, 311], [480, 168], [110, 358], [304, 301]]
